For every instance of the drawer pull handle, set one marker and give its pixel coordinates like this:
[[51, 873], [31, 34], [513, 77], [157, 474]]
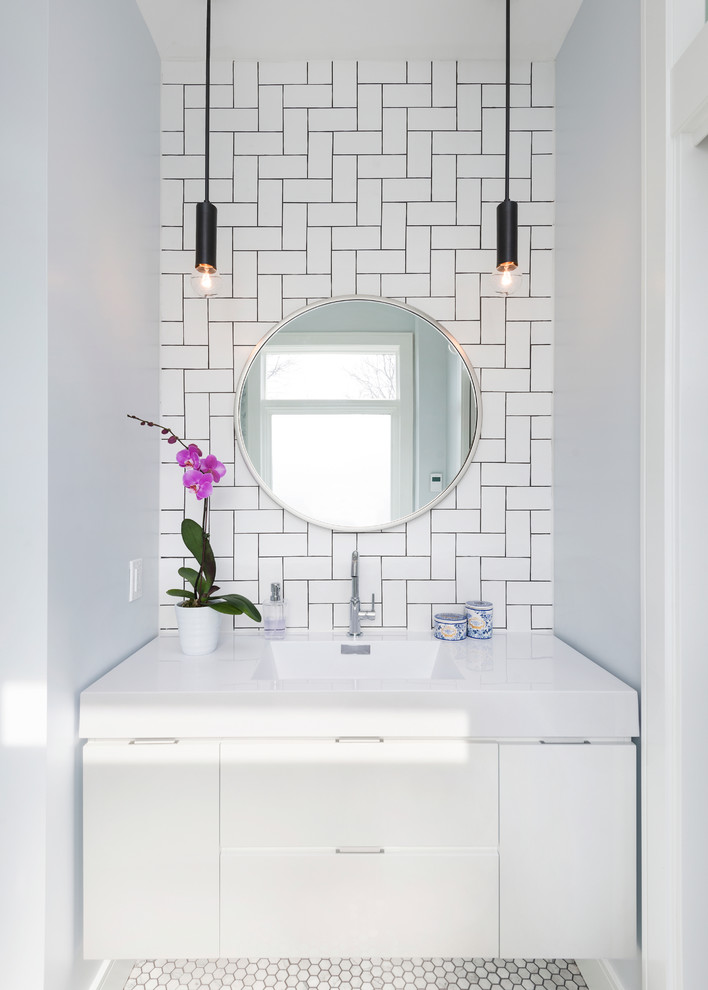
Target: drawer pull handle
[[565, 742], [154, 742], [359, 739], [359, 850]]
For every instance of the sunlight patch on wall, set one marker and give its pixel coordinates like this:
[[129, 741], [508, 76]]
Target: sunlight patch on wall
[[23, 713]]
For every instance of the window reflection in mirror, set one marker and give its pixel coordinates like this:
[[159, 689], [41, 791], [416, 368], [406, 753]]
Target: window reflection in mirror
[[347, 410]]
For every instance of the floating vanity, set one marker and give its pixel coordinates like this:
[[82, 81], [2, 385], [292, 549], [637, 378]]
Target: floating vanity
[[393, 796]]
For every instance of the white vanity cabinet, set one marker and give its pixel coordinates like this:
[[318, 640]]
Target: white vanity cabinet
[[487, 813], [366, 847]]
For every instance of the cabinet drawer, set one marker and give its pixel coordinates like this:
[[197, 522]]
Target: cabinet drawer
[[327, 793], [280, 903]]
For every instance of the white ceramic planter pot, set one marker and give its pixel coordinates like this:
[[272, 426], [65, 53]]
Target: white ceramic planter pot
[[199, 630]]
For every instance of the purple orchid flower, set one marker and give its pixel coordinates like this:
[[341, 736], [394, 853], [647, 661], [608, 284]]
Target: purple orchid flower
[[189, 458], [200, 484], [210, 465]]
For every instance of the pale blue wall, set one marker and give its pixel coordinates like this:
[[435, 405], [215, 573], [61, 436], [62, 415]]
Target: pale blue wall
[[103, 222], [23, 413], [597, 337], [597, 345], [79, 261]]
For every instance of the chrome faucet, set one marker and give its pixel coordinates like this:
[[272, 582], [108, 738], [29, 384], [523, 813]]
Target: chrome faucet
[[356, 613]]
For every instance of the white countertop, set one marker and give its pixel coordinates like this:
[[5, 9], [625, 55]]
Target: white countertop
[[516, 685]]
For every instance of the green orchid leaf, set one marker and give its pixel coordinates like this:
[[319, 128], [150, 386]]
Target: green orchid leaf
[[193, 536], [189, 574], [224, 607], [236, 605], [181, 593], [197, 542]]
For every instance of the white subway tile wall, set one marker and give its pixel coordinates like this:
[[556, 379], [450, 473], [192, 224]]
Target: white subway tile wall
[[379, 178]]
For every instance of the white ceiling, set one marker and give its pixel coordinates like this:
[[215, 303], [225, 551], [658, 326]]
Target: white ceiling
[[283, 30]]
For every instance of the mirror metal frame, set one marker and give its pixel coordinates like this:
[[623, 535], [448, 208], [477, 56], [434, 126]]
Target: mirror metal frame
[[394, 522]]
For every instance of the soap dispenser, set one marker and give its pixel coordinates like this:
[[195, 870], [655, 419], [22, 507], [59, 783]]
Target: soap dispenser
[[274, 614]]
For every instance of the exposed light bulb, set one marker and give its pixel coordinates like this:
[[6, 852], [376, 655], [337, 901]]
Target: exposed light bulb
[[205, 281], [506, 281]]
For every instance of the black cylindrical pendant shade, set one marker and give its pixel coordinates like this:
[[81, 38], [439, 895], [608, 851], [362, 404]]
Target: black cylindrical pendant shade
[[205, 260], [507, 235]]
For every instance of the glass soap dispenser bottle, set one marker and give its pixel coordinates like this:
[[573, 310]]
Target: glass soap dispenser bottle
[[274, 614]]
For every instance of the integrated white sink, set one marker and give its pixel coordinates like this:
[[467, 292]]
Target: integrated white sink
[[304, 660]]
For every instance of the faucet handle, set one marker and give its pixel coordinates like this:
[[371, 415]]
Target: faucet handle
[[368, 613]]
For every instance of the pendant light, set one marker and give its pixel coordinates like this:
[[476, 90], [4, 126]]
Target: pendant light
[[205, 278], [507, 275]]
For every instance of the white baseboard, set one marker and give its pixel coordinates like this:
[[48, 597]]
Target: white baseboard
[[113, 974], [599, 974]]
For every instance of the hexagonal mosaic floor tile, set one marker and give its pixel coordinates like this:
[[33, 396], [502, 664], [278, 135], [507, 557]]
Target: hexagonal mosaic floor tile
[[355, 974]]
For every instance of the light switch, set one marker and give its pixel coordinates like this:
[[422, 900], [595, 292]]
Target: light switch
[[136, 579]]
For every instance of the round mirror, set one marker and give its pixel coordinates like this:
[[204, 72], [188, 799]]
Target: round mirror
[[358, 413]]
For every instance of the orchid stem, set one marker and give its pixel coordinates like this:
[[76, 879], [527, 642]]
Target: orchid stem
[[165, 429], [205, 540]]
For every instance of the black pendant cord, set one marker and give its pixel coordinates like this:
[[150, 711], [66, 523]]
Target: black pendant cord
[[507, 211], [206, 102], [508, 96], [206, 224]]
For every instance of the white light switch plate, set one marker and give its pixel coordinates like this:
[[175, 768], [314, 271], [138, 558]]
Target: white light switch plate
[[136, 579]]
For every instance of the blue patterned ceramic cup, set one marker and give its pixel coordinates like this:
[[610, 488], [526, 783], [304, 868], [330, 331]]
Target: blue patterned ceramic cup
[[451, 626], [479, 619]]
